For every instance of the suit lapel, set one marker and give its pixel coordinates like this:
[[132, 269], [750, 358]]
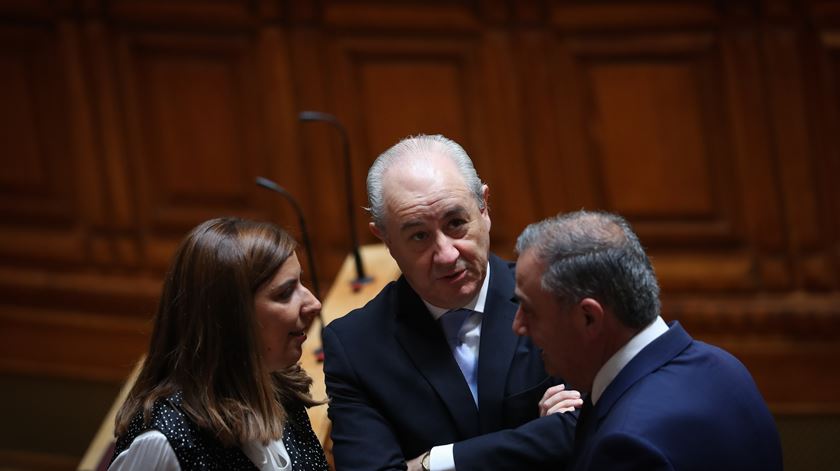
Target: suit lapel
[[423, 341], [653, 356], [497, 345]]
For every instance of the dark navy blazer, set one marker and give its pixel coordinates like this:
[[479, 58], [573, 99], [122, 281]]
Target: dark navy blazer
[[680, 405], [396, 391]]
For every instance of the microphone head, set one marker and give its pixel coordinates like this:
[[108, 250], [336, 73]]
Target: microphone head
[[316, 116], [270, 185]]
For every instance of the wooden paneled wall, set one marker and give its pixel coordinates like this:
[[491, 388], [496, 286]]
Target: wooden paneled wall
[[711, 125]]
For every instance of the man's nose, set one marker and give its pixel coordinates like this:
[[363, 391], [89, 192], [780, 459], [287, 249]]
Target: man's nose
[[446, 253]]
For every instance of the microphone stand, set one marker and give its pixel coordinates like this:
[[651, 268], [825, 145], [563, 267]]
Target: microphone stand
[[304, 234], [310, 116]]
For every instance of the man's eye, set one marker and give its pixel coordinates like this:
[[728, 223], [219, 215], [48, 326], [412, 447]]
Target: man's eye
[[418, 236], [457, 223]]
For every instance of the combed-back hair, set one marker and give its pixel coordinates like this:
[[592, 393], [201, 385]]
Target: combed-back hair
[[411, 149], [205, 340], [595, 255]]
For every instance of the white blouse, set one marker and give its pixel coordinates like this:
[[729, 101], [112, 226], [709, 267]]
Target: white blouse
[[151, 450]]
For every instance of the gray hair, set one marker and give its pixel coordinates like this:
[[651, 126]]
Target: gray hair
[[595, 255], [417, 147]]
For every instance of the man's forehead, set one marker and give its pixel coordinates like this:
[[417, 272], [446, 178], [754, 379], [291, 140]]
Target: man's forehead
[[419, 219], [529, 267]]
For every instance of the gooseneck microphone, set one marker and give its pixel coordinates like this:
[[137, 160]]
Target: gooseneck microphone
[[310, 116], [304, 233]]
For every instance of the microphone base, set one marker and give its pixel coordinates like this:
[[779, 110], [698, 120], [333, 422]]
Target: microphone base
[[357, 284]]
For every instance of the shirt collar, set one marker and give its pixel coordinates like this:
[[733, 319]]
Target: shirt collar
[[476, 304], [622, 357]]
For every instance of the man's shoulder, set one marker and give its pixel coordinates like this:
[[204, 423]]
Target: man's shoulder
[[501, 263]]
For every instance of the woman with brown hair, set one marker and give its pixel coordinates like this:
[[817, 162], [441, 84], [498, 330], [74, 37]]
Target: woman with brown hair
[[220, 387]]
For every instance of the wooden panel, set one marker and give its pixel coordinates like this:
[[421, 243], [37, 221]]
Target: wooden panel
[[218, 14], [417, 86], [655, 116], [196, 135], [417, 14], [651, 139], [582, 15], [657, 134], [36, 184], [824, 96], [460, 86], [69, 345], [712, 125]]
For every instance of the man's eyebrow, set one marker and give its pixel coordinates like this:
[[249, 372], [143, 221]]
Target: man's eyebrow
[[410, 224], [453, 211], [458, 209]]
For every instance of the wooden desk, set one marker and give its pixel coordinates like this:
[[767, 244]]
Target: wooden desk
[[339, 301]]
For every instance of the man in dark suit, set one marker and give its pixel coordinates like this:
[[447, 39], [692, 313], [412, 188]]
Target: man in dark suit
[[658, 400], [429, 375]]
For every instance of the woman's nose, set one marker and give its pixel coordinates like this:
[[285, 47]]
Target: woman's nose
[[312, 306]]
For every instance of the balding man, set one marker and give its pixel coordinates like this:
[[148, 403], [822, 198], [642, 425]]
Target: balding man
[[429, 375], [658, 400]]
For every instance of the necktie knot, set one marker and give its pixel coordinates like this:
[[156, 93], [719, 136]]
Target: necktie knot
[[452, 323]]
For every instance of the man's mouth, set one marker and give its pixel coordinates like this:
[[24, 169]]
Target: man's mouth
[[454, 275]]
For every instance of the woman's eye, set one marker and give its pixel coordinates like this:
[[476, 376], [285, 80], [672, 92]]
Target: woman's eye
[[286, 294]]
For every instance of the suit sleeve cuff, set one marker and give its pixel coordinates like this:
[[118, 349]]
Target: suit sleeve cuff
[[442, 458]]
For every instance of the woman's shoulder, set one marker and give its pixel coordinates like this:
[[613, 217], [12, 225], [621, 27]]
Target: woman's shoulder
[[149, 450], [164, 418]]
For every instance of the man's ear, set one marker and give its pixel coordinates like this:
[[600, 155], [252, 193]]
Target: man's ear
[[485, 194], [376, 231], [593, 315]]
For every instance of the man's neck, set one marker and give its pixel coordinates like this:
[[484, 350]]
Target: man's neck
[[633, 343]]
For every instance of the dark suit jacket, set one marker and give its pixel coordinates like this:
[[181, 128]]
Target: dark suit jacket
[[680, 405], [396, 391]]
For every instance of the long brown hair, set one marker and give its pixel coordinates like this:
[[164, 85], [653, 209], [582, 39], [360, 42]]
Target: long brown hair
[[205, 341]]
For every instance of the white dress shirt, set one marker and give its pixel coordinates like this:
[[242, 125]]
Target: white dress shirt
[[622, 357], [442, 457], [151, 450]]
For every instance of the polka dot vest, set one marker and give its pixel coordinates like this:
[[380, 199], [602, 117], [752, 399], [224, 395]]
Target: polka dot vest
[[198, 450]]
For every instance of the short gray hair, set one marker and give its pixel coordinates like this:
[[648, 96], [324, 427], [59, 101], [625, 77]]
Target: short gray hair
[[415, 147], [595, 255]]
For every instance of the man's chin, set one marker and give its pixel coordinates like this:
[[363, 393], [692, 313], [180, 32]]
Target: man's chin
[[460, 295], [549, 368]]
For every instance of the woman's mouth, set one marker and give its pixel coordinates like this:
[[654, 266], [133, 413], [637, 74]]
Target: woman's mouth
[[298, 334]]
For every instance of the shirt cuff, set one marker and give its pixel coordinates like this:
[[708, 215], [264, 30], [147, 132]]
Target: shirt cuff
[[442, 458]]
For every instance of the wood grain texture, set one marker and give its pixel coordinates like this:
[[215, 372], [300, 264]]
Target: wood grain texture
[[711, 125]]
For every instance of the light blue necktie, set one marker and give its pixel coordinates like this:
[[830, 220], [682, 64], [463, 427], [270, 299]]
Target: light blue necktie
[[458, 326]]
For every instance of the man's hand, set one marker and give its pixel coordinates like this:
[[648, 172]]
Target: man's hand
[[557, 399], [415, 464]]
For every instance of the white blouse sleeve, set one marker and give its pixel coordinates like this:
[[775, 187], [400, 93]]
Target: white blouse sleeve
[[149, 450]]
